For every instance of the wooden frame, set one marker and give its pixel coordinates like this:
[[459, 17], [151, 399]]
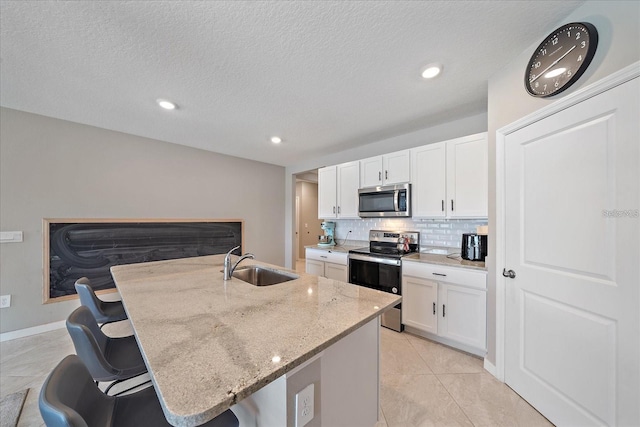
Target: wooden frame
[[112, 227]]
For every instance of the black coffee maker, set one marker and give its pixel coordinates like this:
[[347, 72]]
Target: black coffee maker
[[474, 247]]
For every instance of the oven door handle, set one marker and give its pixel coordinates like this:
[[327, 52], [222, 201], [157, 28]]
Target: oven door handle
[[378, 260]]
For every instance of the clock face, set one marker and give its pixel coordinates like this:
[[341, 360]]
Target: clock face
[[561, 59]]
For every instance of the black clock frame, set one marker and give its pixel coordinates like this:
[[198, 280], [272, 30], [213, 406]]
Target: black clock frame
[[591, 50]]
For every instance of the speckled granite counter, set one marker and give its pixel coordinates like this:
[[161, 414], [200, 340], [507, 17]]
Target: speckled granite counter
[[209, 343], [443, 260]]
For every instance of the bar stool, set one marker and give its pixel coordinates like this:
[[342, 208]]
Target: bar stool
[[106, 358], [103, 311], [70, 399]]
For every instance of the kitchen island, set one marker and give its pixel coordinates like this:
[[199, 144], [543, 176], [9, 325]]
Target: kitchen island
[[211, 344]]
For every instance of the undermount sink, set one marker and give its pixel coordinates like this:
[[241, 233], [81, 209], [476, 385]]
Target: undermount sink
[[262, 276]]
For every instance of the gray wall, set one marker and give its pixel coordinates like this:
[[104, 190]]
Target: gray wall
[[618, 24], [51, 168]]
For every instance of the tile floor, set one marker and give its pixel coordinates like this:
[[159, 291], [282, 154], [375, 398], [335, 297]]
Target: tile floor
[[422, 383]]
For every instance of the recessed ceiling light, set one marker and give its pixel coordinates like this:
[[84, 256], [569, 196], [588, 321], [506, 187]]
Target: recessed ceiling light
[[431, 70], [276, 139], [167, 105]]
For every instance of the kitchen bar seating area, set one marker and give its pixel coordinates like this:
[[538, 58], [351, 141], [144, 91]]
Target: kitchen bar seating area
[[299, 213]]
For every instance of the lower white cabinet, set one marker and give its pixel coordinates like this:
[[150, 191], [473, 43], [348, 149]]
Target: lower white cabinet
[[419, 303], [327, 263], [447, 304], [463, 315]]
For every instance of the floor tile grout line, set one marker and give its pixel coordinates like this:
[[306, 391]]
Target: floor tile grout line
[[454, 399], [422, 358]]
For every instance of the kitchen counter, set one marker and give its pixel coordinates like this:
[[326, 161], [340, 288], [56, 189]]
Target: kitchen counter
[[209, 344], [344, 249], [444, 260]]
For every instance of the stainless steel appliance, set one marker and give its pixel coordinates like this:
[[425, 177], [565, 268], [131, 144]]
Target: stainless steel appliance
[[379, 266], [474, 247], [327, 239], [388, 201]]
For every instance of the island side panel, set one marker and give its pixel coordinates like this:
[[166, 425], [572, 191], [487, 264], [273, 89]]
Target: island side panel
[[351, 378]]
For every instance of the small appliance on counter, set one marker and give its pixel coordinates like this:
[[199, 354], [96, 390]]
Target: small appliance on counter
[[474, 247], [327, 240]]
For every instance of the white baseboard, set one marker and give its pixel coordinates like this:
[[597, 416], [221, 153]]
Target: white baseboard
[[490, 367], [21, 333]]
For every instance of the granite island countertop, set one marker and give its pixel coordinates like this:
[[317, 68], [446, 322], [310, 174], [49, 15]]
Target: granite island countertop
[[209, 343]]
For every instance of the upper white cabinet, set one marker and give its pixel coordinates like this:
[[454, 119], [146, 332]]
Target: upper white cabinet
[[390, 169], [338, 191], [327, 192], [468, 177], [450, 179], [428, 180]]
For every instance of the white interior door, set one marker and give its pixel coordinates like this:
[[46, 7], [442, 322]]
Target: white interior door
[[572, 337]]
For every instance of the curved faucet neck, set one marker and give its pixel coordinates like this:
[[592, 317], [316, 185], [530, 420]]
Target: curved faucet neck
[[228, 269]]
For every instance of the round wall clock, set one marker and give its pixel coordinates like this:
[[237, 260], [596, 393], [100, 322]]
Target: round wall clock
[[561, 59]]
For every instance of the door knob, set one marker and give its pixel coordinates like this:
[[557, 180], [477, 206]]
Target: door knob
[[509, 273]]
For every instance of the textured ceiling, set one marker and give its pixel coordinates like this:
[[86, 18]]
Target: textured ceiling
[[324, 75]]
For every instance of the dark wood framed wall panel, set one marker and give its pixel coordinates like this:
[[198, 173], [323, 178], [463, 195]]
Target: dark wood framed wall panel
[[75, 248]]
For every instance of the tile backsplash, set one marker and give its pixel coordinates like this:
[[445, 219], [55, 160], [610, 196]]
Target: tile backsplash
[[433, 232]]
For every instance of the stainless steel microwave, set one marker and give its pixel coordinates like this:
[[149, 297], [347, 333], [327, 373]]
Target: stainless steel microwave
[[390, 201]]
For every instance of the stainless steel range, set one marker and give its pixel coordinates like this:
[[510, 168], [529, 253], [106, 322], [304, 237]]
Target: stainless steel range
[[379, 266]]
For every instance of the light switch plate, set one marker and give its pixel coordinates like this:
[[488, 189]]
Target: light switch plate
[[5, 301], [10, 236], [304, 406]]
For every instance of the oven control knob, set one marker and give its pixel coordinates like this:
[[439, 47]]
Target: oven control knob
[[394, 290]]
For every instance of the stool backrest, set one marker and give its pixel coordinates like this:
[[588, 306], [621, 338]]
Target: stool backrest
[[90, 344], [70, 398], [89, 299]]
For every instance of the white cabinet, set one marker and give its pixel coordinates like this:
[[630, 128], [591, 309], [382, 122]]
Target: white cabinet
[[327, 263], [327, 192], [463, 314], [390, 169], [314, 267], [338, 191], [450, 179], [336, 272], [468, 177], [419, 303], [447, 304], [428, 180]]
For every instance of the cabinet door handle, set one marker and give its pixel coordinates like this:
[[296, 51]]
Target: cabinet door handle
[[379, 175], [338, 209], [386, 174], [439, 274], [452, 204], [322, 256], [334, 209], [443, 310], [443, 205], [434, 308]]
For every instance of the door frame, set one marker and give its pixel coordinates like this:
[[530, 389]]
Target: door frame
[[619, 77]]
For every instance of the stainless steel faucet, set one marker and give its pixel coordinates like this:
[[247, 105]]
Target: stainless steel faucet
[[228, 269]]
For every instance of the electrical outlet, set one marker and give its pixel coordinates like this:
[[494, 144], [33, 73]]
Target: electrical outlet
[[304, 406], [5, 301]]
